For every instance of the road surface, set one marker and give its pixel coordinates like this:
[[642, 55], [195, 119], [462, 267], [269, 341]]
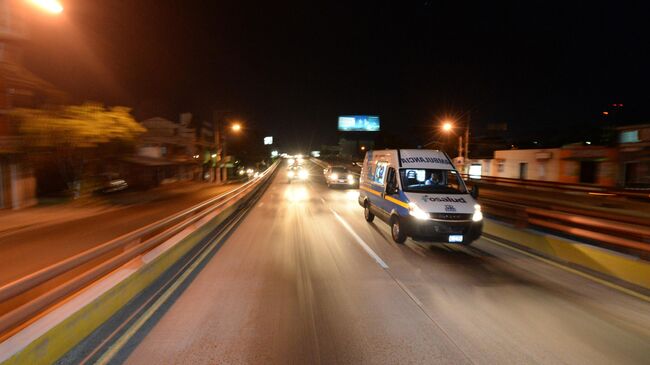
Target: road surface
[[305, 280]]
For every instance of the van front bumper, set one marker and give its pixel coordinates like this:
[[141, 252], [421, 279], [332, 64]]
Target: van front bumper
[[439, 230]]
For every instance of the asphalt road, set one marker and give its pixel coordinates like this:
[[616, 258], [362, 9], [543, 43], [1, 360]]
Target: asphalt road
[[28, 250], [305, 280]]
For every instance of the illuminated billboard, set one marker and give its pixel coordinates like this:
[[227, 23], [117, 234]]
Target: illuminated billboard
[[359, 123]]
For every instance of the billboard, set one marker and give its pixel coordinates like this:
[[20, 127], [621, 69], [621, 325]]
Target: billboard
[[358, 123]]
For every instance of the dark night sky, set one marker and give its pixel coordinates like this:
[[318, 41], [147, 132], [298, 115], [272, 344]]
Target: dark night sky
[[292, 67]]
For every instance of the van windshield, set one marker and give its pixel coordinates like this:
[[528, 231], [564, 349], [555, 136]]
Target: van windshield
[[432, 181]]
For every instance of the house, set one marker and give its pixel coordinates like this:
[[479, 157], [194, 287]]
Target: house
[[18, 88], [634, 155], [575, 163], [166, 153]]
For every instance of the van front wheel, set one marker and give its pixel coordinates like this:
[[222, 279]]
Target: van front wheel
[[396, 230]]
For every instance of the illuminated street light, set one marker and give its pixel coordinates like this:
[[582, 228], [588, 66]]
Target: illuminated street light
[[51, 6], [363, 148], [447, 127], [236, 127]]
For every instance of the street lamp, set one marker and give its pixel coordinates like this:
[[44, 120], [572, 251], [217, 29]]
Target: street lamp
[[50, 6], [447, 127], [220, 139]]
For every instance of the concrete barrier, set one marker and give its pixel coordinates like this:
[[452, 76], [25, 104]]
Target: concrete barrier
[[618, 267]]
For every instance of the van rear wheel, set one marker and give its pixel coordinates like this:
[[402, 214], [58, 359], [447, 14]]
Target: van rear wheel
[[396, 231], [367, 213]]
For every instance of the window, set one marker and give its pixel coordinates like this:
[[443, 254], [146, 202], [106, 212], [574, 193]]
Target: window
[[380, 171], [629, 136], [501, 165], [432, 181]]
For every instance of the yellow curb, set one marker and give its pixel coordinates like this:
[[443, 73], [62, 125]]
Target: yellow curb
[[619, 266]]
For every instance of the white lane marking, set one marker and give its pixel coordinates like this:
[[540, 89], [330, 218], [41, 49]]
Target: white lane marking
[[399, 283], [260, 204], [323, 200], [361, 242]]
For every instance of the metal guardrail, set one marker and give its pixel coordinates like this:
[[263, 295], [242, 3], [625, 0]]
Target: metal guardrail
[[621, 233], [609, 228], [595, 190], [145, 239]]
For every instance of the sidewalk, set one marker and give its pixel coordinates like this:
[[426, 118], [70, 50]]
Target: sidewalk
[[13, 221]]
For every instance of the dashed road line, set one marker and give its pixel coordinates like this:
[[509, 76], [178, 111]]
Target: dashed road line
[[361, 242]]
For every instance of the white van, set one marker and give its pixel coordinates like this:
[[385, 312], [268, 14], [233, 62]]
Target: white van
[[420, 194]]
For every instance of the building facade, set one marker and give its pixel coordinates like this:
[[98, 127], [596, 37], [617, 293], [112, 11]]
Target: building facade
[[576, 164], [18, 88], [634, 155], [166, 153]]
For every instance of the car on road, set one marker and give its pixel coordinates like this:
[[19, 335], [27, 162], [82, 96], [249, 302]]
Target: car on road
[[420, 194], [339, 176], [111, 183], [297, 173]]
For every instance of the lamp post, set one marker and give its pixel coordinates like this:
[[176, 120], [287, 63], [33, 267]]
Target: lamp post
[[463, 149], [220, 142]]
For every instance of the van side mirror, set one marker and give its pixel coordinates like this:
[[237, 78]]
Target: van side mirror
[[474, 191]]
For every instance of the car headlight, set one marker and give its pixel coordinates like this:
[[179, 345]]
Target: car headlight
[[290, 173], [478, 215], [334, 176], [302, 174], [416, 212]]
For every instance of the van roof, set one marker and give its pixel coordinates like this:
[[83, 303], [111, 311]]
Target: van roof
[[421, 158]]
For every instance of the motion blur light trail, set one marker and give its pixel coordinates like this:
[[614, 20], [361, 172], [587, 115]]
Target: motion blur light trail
[[296, 194], [51, 6]]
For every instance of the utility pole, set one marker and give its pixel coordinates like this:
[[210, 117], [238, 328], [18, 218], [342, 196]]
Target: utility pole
[[216, 126], [469, 117]]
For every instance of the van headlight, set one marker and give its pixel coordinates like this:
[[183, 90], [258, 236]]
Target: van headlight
[[334, 176], [303, 174], [416, 212], [350, 179], [290, 173], [478, 215]]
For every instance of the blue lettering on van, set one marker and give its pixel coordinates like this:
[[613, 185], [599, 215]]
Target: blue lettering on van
[[446, 199], [425, 159]]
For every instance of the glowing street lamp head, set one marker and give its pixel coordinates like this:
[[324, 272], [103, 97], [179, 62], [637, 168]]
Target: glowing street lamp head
[[236, 127], [51, 6], [447, 126]]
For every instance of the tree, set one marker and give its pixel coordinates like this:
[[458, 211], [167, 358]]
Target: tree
[[74, 133]]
